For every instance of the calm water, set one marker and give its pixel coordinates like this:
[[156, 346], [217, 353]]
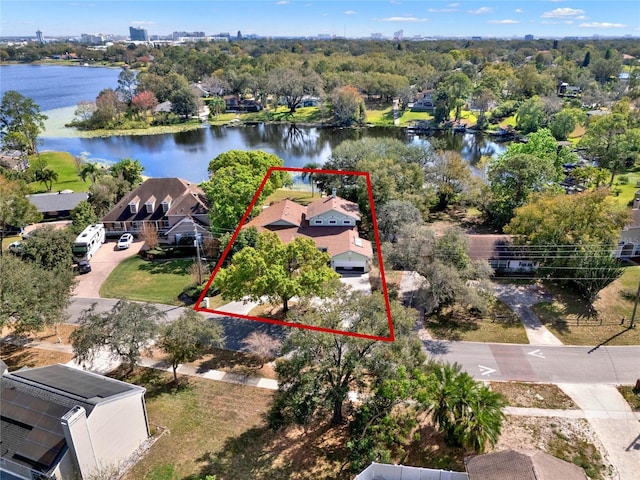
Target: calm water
[[53, 86], [187, 154]]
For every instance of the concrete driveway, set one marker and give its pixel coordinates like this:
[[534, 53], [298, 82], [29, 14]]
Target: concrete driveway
[[102, 264]]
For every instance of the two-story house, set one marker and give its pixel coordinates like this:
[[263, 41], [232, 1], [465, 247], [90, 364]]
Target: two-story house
[[175, 207], [62, 422], [331, 222]]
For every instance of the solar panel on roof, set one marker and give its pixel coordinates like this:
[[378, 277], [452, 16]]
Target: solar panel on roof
[[74, 382]]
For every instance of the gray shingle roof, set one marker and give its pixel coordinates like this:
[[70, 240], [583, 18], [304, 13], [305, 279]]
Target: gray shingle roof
[[57, 202], [522, 465]]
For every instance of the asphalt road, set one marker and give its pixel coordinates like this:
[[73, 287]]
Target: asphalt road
[[235, 329], [551, 364], [484, 361]]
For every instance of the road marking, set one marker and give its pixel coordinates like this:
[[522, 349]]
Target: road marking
[[486, 370], [536, 353]]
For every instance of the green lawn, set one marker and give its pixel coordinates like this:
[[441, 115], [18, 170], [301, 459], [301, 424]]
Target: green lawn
[[64, 165], [627, 189], [501, 325], [148, 281], [570, 318], [380, 116], [282, 114], [300, 196]]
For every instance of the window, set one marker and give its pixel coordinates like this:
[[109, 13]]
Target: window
[[133, 207], [332, 222], [165, 207], [149, 207], [346, 221], [318, 221]]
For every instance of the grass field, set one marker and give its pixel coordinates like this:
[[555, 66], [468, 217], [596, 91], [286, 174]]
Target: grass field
[[570, 318], [64, 165], [302, 197], [632, 398], [380, 116], [501, 325], [145, 281], [534, 395]]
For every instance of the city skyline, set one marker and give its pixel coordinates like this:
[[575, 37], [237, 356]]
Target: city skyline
[[544, 18]]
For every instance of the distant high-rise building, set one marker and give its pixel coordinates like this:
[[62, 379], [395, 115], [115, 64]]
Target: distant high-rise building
[[528, 37], [239, 35], [376, 36], [90, 39], [39, 37], [137, 34], [398, 35], [179, 35]]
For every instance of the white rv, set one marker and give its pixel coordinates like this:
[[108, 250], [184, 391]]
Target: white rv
[[88, 242]]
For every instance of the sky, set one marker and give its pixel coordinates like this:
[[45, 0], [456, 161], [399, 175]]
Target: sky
[[504, 18]]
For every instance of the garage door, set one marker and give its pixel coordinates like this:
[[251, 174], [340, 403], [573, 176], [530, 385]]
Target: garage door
[[349, 265]]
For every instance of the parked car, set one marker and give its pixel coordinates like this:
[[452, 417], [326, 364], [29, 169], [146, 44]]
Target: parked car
[[15, 247], [125, 241], [84, 266]]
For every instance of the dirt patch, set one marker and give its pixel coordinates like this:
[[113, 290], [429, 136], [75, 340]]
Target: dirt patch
[[17, 357], [572, 440], [534, 395], [59, 334]]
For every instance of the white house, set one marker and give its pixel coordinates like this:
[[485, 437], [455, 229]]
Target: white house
[[61, 422]]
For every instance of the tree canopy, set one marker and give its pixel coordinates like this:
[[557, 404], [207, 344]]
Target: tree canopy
[[15, 209], [187, 337], [124, 330], [235, 178], [31, 295], [572, 236], [278, 271], [20, 122]]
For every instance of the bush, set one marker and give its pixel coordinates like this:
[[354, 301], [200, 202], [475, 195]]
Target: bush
[[623, 180], [505, 109]]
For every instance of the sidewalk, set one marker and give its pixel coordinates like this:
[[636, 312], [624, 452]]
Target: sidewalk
[[616, 425], [520, 298]]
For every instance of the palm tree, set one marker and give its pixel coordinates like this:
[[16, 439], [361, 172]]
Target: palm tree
[[46, 176], [310, 175], [465, 411], [91, 170]]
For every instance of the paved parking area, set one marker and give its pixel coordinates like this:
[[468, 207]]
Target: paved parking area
[[102, 264]]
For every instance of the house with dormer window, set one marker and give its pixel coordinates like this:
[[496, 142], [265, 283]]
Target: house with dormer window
[[175, 207], [331, 222]]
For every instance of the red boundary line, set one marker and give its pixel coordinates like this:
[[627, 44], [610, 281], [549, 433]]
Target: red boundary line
[[391, 336]]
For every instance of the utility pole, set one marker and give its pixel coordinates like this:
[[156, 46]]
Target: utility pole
[[197, 245], [635, 308]]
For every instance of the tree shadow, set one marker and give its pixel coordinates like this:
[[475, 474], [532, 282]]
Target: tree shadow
[[263, 453], [156, 382], [603, 343], [450, 327], [221, 359], [16, 356], [170, 267]]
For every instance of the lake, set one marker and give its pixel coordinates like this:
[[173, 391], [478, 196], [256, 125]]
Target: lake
[[58, 89]]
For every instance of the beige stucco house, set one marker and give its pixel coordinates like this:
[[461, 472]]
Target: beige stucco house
[[331, 222]]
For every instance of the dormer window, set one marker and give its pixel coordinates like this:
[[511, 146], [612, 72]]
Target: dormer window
[[166, 204], [150, 204], [133, 206]]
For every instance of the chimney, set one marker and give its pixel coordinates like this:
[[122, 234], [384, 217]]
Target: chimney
[[76, 432], [334, 190]]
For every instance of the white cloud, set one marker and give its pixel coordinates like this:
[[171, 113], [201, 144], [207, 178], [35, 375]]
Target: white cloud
[[506, 21], [350, 12], [395, 2], [454, 5], [519, 10], [582, 17], [282, 2], [602, 25], [563, 13], [441, 10], [480, 11], [402, 19], [142, 22]]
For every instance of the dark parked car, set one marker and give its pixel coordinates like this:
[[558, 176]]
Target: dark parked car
[[84, 266]]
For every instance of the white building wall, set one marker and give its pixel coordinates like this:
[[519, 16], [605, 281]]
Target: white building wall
[[117, 429], [381, 471], [339, 218]]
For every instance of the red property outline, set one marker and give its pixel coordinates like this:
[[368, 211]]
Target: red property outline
[[391, 336]]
